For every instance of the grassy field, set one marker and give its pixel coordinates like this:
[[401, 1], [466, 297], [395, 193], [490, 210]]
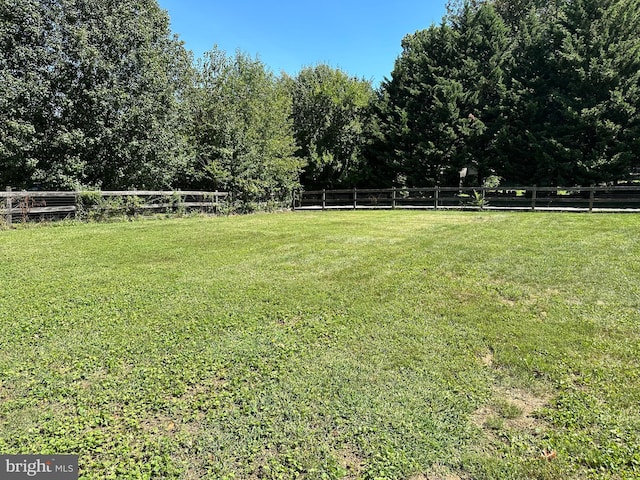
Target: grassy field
[[343, 345]]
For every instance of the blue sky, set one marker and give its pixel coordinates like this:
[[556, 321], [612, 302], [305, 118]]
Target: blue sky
[[360, 37]]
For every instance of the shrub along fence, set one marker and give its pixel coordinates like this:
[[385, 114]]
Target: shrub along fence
[[579, 199], [101, 205]]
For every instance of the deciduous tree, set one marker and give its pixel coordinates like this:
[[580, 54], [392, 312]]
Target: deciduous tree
[[92, 91], [241, 129], [329, 115]]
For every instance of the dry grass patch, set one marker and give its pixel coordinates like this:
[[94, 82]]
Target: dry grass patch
[[352, 462], [512, 408], [438, 472]]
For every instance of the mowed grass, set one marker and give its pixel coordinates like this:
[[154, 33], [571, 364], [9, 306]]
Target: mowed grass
[[357, 345]]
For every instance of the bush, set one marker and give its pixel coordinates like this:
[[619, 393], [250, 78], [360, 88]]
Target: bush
[[93, 206]]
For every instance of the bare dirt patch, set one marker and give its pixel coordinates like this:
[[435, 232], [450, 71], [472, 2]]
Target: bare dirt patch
[[508, 302], [514, 408], [486, 359], [351, 461], [482, 415], [528, 403], [438, 472]]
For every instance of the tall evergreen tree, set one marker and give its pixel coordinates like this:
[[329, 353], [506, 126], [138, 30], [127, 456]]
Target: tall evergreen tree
[[485, 53], [442, 108], [544, 93], [600, 44], [527, 153], [418, 116], [572, 116]]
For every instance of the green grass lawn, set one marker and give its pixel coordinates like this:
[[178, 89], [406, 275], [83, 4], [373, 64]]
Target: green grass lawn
[[357, 345]]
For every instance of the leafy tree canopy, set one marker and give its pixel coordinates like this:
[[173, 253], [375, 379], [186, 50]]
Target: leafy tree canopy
[[241, 129], [329, 115], [90, 94]]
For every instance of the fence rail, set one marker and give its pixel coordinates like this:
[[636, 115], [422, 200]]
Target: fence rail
[[579, 199], [45, 205]]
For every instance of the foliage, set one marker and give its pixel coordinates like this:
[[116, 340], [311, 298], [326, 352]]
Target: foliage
[[87, 200], [99, 94], [241, 129], [176, 204], [330, 110], [89, 94], [478, 200], [442, 107], [573, 119], [94, 206], [326, 345], [535, 92], [492, 181]]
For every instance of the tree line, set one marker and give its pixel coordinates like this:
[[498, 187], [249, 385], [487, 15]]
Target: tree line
[[101, 94]]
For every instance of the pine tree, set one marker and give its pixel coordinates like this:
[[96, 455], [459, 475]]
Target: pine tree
[[526, 149], [485, 52], [418, 115], [572, 115], [600, 45], [442, 108]]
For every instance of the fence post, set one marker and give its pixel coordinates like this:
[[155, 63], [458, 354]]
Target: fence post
[[592, 196], [393, 198], [483, 191], [355, 198], [9, 206], [534, 194], [436, 196], [324, 199]]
